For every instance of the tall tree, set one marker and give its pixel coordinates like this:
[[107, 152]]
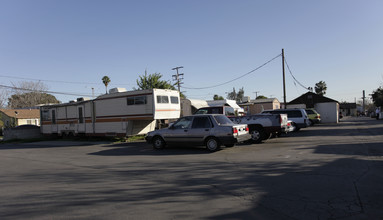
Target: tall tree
[[153, 81], [30, 94], [320, 88], [236, 96], [31, 99], [217, 97], [377, 97], [240, 95], [106, 81], [3, 98], [232, 95], [261, 97]]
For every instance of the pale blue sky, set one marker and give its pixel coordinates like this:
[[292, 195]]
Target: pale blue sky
[[336, 41]]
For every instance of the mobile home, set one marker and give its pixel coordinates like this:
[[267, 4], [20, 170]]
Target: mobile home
[[119, 113]]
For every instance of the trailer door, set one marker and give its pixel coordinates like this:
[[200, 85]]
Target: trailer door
[[81, 120], [54, 121]]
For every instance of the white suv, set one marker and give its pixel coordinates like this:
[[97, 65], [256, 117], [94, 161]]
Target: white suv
[[297, 115]]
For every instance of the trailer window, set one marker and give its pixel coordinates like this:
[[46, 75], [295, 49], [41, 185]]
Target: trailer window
[[136, 100], [162, 99], [45, 115], [174, 99]]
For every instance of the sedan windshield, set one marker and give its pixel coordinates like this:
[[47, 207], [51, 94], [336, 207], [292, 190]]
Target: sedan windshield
[[223, 120]]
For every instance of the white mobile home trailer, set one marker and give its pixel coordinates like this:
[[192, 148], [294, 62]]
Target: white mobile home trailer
[[114, 114]]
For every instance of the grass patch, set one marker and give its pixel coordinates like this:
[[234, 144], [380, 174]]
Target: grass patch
[[136, 138]]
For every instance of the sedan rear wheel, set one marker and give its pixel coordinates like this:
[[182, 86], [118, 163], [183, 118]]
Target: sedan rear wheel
[[158, 143], [212, 144]]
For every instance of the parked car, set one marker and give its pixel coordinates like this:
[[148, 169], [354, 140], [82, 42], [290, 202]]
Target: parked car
[[298, 116], [211, 130], [313, 115]]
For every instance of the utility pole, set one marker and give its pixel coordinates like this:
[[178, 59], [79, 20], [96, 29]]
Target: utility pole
[[178, 77], [256, 94], [363, 98], [284, 82]]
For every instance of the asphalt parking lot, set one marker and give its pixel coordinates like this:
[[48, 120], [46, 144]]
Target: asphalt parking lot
[[322, 172]]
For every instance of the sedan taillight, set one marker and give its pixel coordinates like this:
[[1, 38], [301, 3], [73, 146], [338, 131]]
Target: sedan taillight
[[235, 131]]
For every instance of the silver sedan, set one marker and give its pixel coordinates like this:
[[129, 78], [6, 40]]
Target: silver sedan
[[212, 130]]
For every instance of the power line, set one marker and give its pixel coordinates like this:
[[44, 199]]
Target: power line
[[221, 84], [42, 91], [294, 76]]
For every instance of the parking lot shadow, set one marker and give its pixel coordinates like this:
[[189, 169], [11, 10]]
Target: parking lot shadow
[[142, 148], [50, 144], [369, 149]]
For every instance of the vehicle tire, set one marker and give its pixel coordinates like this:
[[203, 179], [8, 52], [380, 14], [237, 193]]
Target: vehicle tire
[[229, 145], [212, 144], [296, 128], [257, 135], [158, 143], [311, 122]]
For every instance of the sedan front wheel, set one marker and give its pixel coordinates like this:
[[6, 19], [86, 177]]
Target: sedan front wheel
[[158, 143]]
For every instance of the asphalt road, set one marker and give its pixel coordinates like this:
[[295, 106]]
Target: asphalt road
[[322, 172]]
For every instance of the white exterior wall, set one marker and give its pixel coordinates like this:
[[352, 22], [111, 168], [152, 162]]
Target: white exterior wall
[[329, 112], [166, 110], [29, 121], [118, 106]]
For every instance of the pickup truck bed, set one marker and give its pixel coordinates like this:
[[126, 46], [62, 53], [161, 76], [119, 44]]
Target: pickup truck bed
[[262, 126]]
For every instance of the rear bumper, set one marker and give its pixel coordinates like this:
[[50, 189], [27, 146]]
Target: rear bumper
[[316, 121], [243, 137]]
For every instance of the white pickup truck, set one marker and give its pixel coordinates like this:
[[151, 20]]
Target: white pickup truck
[[262, 126]]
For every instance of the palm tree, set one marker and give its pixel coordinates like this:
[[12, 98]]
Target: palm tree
[[320, 88], [106, 81]]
